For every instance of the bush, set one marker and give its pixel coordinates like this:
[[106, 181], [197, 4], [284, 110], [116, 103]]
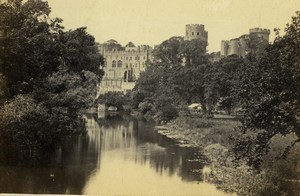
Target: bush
[[166, 113], [22, 126], [146, 107]]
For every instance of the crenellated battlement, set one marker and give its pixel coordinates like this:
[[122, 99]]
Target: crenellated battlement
[[194, 26], [259, 30]]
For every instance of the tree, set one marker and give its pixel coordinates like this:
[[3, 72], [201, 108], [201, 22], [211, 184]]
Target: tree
[[270, 93], [34, 46], [194, 52], [226, 77], [177, 73], [168, 52], [42, 65], [28, 48]]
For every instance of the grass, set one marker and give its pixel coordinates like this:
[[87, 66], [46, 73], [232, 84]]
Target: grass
[[203, 132], [214, 137]]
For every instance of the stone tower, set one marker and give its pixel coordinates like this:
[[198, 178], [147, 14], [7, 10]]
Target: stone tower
[[264, 33], [195, 31], [224, 47]]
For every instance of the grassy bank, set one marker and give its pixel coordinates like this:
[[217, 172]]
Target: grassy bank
[[200, 132], [214, 137]]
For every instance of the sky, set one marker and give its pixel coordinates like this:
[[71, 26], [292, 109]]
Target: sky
[[154, 21]]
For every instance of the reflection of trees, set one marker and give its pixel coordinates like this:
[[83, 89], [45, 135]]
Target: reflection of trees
[[146, 146], [67, 172], [74, 161], [173, 159]]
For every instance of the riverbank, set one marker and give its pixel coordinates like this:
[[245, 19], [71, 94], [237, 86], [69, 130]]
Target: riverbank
[[198, 132], [215, 138]]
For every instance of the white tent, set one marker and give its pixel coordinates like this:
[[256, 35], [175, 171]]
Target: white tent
[[195, 106]]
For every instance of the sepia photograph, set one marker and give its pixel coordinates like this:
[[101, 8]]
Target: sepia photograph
[[150, 97]]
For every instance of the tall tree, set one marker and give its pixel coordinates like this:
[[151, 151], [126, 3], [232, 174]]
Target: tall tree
[[168, 52], [43, 66], [270, 93]]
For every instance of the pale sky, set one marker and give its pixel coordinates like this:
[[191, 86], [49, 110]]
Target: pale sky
[[153, 21]]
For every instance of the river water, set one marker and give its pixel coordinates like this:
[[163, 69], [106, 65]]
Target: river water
[[117, 156]]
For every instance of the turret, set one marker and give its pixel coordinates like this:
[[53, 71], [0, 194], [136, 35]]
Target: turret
[[195, 31], [264, 33]]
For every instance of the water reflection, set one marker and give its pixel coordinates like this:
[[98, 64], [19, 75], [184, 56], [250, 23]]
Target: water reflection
[[135, 160], [117, 156]]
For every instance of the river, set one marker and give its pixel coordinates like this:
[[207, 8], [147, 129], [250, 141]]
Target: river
[[117, 156]]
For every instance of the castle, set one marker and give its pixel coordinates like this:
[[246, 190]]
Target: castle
[[123, 66], [240, 46]]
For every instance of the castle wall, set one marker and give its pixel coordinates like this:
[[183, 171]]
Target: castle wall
[[224, 48], [122, 67], [243, 49], [233, 46], [239, 46]]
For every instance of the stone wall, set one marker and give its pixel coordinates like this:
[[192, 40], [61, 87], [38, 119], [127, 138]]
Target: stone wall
[[239, 46], [123, 68]]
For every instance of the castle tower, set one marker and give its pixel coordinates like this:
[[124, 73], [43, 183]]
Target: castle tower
[[195, 31], [224, 48], [264, 33], [234, 46]]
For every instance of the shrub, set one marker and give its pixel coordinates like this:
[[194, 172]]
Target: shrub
[[146, 107], [22, 126], [166, 113]]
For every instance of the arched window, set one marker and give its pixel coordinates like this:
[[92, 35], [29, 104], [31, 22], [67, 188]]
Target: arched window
[[119, 63], [113, 64]]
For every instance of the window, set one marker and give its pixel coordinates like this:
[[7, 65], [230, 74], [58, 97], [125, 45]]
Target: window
[[130, 58], [113, 64], [192, 33], [119, 63], [197, 33]]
